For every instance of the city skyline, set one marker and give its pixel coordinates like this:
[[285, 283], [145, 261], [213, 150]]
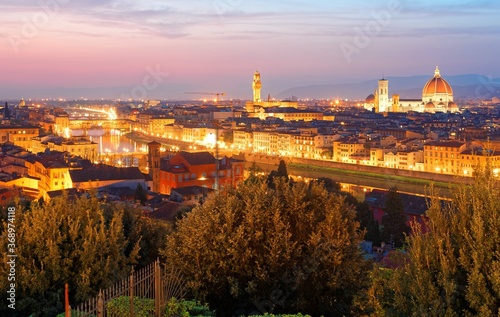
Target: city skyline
[[161, 49]]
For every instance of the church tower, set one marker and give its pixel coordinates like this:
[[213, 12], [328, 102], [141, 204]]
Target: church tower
[[256, 85], [383, 95], [154, 164], [395, 103]]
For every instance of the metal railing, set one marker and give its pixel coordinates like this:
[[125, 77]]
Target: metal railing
[[151, 282]]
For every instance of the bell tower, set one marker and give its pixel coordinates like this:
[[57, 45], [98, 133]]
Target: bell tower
[[256, 85], [383, 95], [154, 164]]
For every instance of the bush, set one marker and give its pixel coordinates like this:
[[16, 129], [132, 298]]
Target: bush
[[187, 308], [120, 306], [143, 307], [284, 315]]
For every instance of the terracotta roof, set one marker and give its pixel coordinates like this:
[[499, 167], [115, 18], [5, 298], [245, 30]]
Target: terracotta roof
[[192, 190], [105, 172], [167, 211], [445, 143], [198, 158]]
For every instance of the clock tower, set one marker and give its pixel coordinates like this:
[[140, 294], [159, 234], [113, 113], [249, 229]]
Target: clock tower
[[154, 164]]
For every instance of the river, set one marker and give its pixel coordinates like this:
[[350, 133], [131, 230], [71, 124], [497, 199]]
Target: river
[[359, 184], [115, 142], [355, 184]]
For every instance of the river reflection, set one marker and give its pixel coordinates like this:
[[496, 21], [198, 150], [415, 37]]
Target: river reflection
[[116, 143]]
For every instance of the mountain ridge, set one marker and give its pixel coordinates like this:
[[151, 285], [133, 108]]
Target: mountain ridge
[[468, 86]]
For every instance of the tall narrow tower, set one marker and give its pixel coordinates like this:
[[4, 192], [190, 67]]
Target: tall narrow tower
[[383, 95], [256, 85], [154, 164]]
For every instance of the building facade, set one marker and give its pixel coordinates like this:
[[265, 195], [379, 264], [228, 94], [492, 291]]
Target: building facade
[[199, 169]]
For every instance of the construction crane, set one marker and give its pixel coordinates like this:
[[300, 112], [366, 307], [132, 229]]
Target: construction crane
[[216, 94]]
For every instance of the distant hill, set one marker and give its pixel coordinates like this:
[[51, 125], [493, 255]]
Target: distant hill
[[469, 86], [464, 87]]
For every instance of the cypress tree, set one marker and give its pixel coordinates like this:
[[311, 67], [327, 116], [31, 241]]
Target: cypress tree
[[394, 220]]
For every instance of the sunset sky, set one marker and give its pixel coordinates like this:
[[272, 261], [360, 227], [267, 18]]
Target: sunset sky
[[205, 45]]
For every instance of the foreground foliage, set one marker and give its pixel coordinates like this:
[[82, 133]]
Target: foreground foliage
[[394, 220], [83, 242], [288, 249], [454, 268], [144, 307]]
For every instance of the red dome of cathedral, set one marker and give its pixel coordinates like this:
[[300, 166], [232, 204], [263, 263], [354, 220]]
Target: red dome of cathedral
[[437, 85]]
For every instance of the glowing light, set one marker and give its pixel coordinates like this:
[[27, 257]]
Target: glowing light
[[209, 140], [66, 132], [111, 113]]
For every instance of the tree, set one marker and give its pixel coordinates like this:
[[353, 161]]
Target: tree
[[330, 185], [254, 174], [78, 241], [452, 269], [394, 219], [140, 194], [366, 221], [281, 173], [294, 248]]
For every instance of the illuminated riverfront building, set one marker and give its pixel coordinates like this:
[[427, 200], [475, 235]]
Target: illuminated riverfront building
[[437, 96], [74, 146], [18, 135], [287, 114], [453, 157]]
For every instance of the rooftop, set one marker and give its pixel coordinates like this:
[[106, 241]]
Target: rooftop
[[105, 172]]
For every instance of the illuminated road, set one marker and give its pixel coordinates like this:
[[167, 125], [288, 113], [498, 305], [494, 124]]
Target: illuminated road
[[357, 183]]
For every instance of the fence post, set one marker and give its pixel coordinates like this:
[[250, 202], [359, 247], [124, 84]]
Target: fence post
[[66, 301], [131, 291], [157, 279], [100, 305]]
